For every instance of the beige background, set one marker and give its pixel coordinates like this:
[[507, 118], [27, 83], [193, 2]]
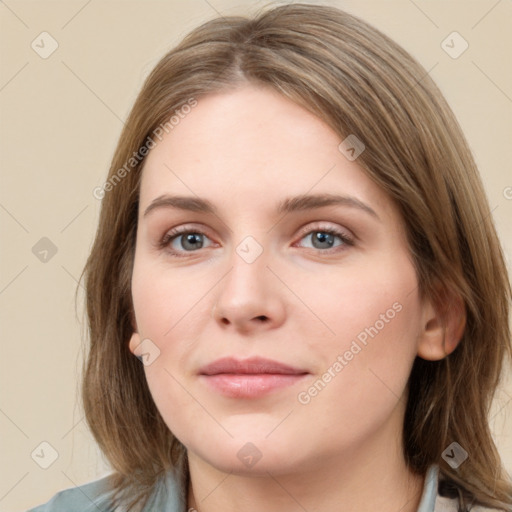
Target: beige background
[[60, 120]]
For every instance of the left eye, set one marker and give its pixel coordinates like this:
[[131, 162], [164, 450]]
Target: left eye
[[325, 239], [190, 241]]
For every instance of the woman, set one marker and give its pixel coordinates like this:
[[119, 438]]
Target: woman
[[296, 247]]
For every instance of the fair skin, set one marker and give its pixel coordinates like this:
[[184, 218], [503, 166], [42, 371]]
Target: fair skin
[[302, 302]]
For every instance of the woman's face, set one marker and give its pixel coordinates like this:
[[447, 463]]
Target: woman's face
[[280, 331]]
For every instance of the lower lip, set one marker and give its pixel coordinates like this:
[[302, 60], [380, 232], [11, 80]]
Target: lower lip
[[250, 385]]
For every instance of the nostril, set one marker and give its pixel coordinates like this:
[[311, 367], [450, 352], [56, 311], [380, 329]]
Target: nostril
[[263, 318]]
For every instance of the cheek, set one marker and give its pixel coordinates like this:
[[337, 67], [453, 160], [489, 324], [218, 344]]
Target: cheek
[[169, 312], [166, 301], [376, 321], [377, 301], [157, 315]]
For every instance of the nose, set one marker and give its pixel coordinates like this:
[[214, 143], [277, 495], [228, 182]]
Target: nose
[[250, 298]]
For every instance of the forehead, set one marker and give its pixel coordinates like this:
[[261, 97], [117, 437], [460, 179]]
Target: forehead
[[252, 146]]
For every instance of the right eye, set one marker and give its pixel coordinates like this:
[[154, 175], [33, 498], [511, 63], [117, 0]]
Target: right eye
[[181, 240]]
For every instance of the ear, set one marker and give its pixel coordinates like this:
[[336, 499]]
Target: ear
[[134, 343], [135, 338], [443, 323]]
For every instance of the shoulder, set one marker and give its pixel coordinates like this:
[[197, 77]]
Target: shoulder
[[447, 498], [168, 495], [89, 497], [444, 504], [441, 495]]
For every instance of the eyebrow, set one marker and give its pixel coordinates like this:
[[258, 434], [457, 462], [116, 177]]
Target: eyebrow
[[288, 205]]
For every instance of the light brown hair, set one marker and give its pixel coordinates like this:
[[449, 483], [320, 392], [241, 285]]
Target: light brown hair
[[359, 82]]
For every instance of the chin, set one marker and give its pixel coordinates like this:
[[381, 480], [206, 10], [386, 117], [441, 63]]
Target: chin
[[246, 461], [250, 454]]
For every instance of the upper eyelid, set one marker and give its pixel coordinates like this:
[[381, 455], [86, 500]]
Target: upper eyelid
[[305, 230], [319, 225]]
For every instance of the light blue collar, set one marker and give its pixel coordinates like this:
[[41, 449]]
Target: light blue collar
[[428, 498]]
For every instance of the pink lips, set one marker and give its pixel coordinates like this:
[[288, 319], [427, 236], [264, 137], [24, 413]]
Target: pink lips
[[249, 378]]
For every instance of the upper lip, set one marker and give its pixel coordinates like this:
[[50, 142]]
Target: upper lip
[[253, 365]]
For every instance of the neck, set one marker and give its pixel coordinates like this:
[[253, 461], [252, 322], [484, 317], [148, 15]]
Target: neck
[[373, 476]]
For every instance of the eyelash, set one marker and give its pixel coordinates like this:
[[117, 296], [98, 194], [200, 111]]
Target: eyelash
[[165, 242]]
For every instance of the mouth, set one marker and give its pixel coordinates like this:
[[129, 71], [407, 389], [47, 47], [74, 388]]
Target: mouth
[[249, 378]]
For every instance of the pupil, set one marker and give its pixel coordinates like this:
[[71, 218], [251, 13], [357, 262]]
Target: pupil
[[326, 238], [193, 239]]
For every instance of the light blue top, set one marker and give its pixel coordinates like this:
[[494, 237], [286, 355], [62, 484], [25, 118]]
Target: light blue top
[[93, 497]]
